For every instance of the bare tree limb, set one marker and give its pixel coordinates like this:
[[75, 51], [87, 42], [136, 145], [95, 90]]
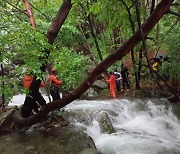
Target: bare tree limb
[[40, 12]]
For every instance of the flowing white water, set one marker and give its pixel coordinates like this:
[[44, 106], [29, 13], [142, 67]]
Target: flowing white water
[[142, 126]]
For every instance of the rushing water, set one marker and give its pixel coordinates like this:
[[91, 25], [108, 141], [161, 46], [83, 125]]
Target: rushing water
[[142, 126]]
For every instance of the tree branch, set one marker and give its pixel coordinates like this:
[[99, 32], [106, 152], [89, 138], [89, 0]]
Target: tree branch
[[16, 7], [176, 4], [40, 12], [94, 35], [90, 51], [129, 15], [174, 13], [30, 14]]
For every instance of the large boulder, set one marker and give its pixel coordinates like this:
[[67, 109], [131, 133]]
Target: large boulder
[[81, 116], [99, 84], [64, 140], [105, 123]]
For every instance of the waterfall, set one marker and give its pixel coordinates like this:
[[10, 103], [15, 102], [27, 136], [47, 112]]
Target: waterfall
[[142, 126]]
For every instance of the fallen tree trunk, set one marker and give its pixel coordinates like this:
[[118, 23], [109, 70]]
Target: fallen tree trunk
[[120, 52]]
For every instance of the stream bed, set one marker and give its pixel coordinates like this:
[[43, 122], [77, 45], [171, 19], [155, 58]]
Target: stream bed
[[142, 126]]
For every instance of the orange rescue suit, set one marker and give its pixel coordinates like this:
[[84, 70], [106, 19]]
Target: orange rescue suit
[[112, 84], [27, 80], [53, 78]]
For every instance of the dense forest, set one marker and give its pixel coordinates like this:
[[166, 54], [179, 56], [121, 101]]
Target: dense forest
[[84, 40]]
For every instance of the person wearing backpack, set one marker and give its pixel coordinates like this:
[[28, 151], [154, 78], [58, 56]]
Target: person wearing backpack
[[32, 84]]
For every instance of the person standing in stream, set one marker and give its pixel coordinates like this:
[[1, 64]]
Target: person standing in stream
[[112, 84]]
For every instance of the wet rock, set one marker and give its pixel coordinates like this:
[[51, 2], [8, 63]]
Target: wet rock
[[176, 109], [78, 116], [98, 84], [173, 99], [91, 93], [90, 151], [66, 140], [6, 119], [105, 123], [95, 91]]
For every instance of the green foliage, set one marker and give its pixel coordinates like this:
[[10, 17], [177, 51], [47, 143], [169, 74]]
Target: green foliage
[[170, 42], [70, 66], [18, 41], [6, 88], [70, 35]]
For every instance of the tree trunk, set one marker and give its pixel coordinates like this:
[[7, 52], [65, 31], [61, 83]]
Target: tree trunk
[[140, 64], [120, 52], [2, 104]]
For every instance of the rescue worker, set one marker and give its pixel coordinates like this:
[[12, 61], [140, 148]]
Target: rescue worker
[[156, 63], [54, 85], [112, 84], [125, 78], [34, 96], [118, 79]]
